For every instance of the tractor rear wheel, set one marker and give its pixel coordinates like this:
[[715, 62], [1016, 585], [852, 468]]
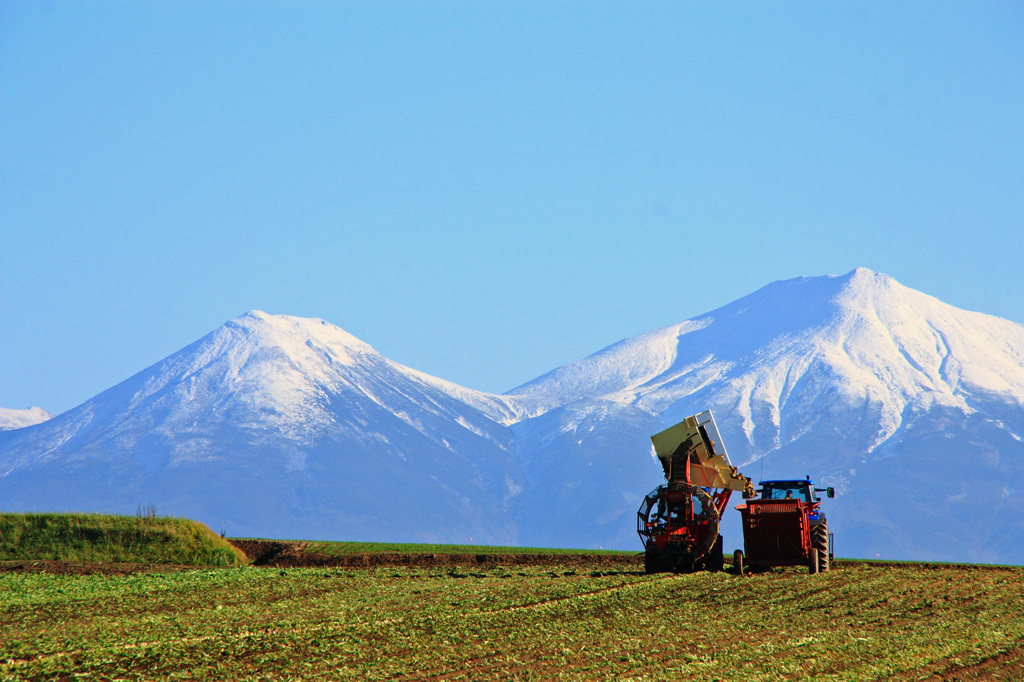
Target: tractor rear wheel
[[819, 540]]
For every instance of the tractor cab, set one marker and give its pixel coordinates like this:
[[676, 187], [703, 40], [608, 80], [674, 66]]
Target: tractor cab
[[799, 490], [787, 490]]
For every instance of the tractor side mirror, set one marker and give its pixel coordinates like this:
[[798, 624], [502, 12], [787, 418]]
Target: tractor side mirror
[[831, 492]]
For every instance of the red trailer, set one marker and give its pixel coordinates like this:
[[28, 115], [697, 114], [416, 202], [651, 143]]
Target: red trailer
[[785, 527]]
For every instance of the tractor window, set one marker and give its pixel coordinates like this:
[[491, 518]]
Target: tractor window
[[800, 492]]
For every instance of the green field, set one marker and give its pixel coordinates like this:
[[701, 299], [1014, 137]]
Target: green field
[[860, 622]]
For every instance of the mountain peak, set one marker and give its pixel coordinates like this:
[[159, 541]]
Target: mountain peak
[[861, 273], [281, 328], [861, 282], [17, 419]]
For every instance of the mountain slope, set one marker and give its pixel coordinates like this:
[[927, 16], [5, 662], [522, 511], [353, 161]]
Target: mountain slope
[[864, 337]]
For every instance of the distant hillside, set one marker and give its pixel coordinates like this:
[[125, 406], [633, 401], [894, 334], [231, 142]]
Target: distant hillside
[[121, 539]]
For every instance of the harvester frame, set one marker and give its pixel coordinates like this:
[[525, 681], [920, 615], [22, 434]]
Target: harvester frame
[[678, 521]]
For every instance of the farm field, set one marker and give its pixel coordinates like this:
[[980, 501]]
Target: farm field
[[491, 621]]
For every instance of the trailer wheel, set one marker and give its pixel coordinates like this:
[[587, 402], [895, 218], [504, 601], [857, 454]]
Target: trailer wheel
[[819, 540], [812, 563], [737, 561]]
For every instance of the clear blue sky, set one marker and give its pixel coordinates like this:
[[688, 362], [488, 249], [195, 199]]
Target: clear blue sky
[[483, 190]]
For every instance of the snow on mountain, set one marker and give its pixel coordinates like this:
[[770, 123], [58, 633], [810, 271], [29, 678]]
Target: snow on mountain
[[287, 427], [864, 337], [878, 341], [18, 419]]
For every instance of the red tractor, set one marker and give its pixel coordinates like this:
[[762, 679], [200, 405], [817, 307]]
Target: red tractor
[[678, 521], [785, 527]]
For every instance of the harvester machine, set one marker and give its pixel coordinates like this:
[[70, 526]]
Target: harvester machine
[[678, 521]]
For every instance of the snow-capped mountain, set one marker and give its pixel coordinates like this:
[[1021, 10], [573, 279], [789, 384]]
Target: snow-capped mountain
[[286, 427], [283, 427], [18, 419]]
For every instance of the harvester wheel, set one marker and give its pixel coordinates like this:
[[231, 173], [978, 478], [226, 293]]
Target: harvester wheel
[[737, 561], [716, 558], [819, 540], [812, 564], [691, 520]]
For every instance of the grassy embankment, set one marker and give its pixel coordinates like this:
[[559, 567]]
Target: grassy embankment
[[862, 622], [98, 538]]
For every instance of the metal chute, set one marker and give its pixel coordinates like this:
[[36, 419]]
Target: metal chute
[[693, 452]]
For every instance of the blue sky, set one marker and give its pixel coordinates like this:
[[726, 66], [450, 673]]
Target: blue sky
[[481, 190]]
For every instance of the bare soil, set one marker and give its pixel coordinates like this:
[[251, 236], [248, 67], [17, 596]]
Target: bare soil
[[292, 554], [288, 554], [87, 568]]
